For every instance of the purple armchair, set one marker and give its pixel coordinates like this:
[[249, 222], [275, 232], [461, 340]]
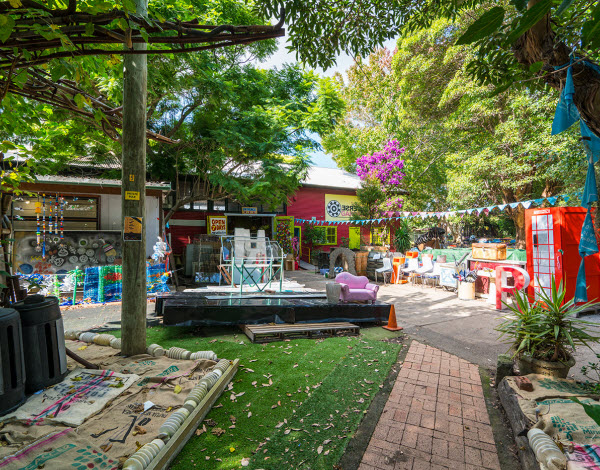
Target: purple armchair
[[356, 288]]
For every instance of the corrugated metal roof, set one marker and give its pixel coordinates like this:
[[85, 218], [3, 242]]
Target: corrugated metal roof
[[58, 179], [331, 178]]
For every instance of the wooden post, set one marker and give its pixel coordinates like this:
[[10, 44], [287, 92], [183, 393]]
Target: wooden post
[[133, 196]]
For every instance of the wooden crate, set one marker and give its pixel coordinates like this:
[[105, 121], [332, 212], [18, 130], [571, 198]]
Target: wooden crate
[[361, 263], [491, 251]]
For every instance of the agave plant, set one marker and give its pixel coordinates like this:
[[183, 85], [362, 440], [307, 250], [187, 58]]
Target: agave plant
[[546, 328]]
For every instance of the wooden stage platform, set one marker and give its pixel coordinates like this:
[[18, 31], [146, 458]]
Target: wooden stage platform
[[212, 309]]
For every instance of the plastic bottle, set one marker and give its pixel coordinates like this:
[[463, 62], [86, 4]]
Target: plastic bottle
[[546, 451]]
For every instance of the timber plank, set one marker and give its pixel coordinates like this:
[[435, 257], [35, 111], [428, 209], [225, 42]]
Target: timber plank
[[168, 453]]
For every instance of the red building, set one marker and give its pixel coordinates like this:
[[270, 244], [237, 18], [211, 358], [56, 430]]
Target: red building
[[327, 194]]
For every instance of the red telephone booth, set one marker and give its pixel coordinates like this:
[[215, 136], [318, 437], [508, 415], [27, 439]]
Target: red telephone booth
[[552, 248]]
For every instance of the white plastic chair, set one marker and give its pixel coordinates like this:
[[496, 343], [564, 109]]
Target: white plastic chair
[[434, 275], [412, 265], [387, 269], [426, 268]]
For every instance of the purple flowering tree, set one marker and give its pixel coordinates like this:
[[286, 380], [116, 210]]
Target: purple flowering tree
[[385, 170], [381, 174]]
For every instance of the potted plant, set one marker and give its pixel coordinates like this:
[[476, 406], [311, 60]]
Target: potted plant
[[402, 241], [544, 333]]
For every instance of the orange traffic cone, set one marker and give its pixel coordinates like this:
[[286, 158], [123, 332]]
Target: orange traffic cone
[[392, 325]]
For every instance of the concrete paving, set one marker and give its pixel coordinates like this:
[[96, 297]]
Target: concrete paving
[[98, 316], [437, 317]]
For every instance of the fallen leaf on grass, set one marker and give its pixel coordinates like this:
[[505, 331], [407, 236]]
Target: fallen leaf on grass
[[248, 370], [210, 422], [254, 383], [278, 425], [218, 432], [326, 442], [369, 381], [319, 449], [245, 462], [326, 452], [253, 360], [239, 394], [199, 432], [294, 366], [249, 414]]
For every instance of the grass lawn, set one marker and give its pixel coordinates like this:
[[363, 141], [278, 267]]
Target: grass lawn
[[294, 404]]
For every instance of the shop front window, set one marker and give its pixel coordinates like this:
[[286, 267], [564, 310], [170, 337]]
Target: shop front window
[[75, 212], [329, 235], [219, 206]]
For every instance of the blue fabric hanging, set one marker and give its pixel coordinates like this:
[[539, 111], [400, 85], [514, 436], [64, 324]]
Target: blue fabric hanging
[[590, 190], [566, 113], [587, 246], [591, 142]]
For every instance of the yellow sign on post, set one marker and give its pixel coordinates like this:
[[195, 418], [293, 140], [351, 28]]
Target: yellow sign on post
[[132, 229], [132, 195]]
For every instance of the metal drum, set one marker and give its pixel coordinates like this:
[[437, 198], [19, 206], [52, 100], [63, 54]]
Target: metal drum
[[12, 373], [43, 341]]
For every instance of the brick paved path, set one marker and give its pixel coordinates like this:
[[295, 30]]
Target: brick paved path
[[435, 417]]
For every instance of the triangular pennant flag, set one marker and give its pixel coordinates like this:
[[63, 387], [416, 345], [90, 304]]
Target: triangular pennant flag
[[513, 205], [526, 204], [539, 202], [552, 200], [566, 198]]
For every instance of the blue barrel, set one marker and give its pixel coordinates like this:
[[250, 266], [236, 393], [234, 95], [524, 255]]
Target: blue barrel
[[43, 341], [12, 373]]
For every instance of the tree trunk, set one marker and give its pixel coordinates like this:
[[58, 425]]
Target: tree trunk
[[518, 217], [133, 310], [538, 45]]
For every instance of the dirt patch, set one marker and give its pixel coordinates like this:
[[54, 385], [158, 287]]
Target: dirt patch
[[503, 435]]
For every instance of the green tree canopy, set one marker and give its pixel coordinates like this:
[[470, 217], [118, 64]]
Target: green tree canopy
[[469, 147], [526, 42]]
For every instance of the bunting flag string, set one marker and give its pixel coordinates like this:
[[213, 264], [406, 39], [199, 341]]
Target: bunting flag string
[[397, 215]]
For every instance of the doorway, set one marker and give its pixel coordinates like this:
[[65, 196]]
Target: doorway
[[354, 238]]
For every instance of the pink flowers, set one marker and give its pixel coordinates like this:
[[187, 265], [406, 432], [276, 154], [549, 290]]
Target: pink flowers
[[385, 166]]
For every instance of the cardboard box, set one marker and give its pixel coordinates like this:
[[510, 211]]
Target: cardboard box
[[289, 265], [489, 251]]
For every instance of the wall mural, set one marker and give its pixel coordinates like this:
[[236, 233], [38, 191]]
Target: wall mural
[[77, 249]]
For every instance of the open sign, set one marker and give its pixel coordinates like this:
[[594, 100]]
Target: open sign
[[217, 225]]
